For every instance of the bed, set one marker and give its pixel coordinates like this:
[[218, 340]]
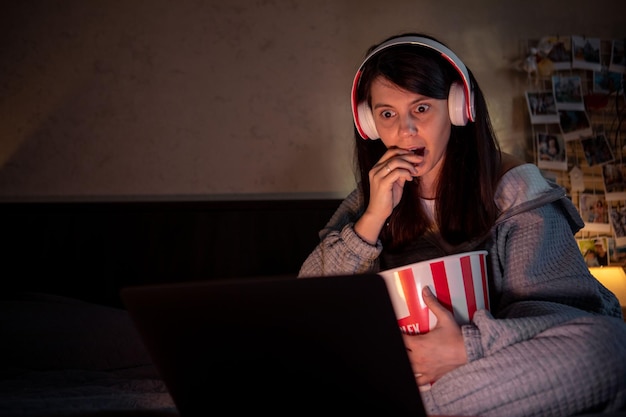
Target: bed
[[63, 357]]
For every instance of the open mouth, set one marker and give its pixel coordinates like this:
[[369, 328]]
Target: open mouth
[[418, 152]]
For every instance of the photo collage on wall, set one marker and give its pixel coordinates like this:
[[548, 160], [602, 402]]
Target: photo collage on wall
[[576, 71], [564, 103]]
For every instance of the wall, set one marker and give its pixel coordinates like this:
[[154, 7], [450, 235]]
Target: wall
[[91, 250], [165, 99]]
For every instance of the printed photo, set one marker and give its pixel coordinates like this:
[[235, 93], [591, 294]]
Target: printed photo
[[617, 254], [586, 53], [595, 251], [617, 217], [613, 179], [558, 49], [607, 82], [597, 149], [568, 92], [618, 56], [541, 107], [594, 211], [574, 124], [551, 151]]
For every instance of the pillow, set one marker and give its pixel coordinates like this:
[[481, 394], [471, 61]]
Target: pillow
[[49, 332]]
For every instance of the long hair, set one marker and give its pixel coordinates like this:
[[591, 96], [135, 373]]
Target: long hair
[[465, 206]]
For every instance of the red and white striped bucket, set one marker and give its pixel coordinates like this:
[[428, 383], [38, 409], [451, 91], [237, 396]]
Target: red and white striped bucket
[[458, 281]]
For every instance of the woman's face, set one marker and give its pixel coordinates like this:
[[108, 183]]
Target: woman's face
[[412, 121]]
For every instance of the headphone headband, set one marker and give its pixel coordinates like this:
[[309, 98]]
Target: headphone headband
[[427, 43]]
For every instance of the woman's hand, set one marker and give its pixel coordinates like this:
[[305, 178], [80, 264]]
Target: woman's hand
[[439, 351], [387, 179]]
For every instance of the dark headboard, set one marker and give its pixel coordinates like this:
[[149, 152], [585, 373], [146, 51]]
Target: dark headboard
[[90, 250]]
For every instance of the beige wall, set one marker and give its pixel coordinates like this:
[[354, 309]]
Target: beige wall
[[211, 99]]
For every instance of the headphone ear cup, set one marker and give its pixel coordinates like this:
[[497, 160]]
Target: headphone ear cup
[[366, 121], [457, 105]]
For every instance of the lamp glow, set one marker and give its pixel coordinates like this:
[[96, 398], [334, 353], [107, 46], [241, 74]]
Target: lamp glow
[[613, 278]]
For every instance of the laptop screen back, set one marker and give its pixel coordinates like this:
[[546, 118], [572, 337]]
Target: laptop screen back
[[282, 346]]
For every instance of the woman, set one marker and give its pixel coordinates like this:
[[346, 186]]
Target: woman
[[433, 182]]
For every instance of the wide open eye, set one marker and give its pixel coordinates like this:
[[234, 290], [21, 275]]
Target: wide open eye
[[387, 114], [422, 108]]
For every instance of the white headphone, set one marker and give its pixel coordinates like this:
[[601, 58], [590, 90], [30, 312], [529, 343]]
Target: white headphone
[[460, 97]]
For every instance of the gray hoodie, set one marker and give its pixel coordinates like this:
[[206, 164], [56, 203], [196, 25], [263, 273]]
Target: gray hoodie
[[554, 340]]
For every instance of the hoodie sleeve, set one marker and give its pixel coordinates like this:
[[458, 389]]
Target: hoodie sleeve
[[341, 250]]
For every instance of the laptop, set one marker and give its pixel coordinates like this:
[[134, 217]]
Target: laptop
[[283, 346]]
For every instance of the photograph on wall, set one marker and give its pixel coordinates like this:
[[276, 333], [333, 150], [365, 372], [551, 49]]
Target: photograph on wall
[[613, 179], [617, 254], [574, 124], [558, 50], [607, 82], [568, 92], [586, 53], [595, 251], [594, 211], [597, 149], [541, 107], [617, 217], [618, 56], [551, 151]]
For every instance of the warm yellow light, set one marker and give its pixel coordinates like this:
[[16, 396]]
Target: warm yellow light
[[613, 278]]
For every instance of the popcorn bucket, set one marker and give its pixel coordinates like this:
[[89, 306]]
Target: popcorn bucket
[[458, 281]]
